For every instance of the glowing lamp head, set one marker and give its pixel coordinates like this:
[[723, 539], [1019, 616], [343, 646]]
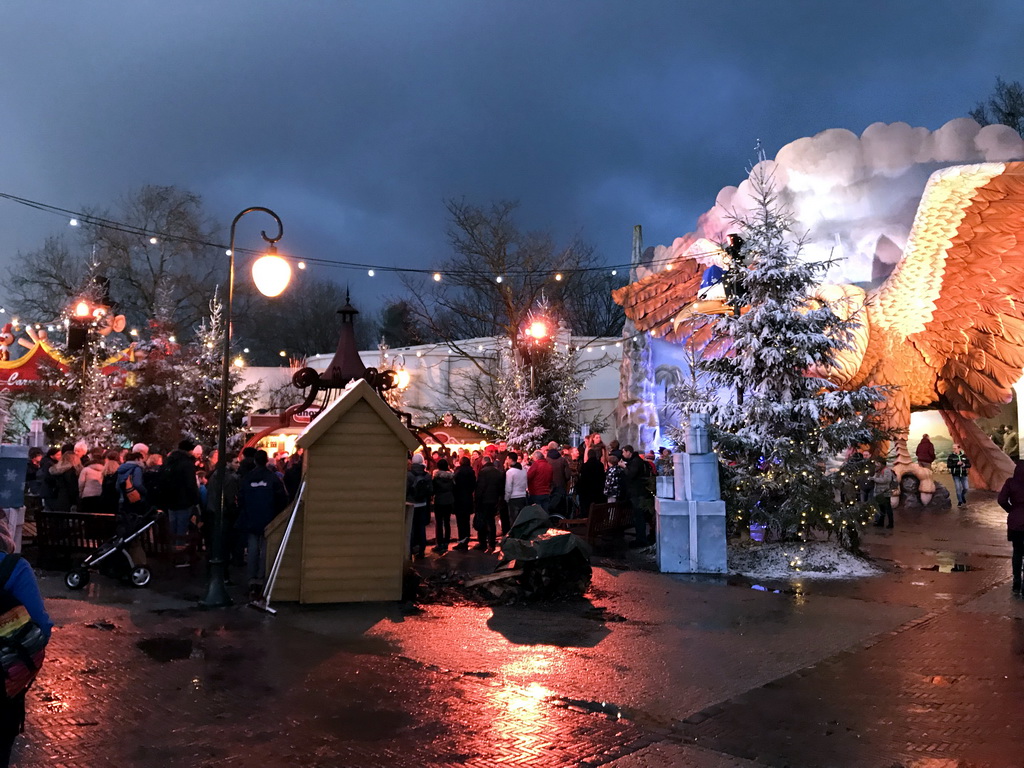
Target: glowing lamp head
[[402, 379], [83, 310], [271, 273], [538, 330]]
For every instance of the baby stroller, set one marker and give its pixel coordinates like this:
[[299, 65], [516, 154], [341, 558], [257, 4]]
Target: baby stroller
[[112, 559]]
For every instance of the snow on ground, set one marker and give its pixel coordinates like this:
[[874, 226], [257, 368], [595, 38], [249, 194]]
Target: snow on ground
[[812, 560]]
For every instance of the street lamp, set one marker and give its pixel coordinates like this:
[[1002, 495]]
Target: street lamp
[[272, 281]]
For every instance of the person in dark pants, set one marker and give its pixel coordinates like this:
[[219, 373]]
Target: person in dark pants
[[465, 486], [959, 467], [590, 486], [444, 505], [1011, 498], [884, 481], [637, 473], [23, 586], [418, 490], [261, 497], [490, 488]]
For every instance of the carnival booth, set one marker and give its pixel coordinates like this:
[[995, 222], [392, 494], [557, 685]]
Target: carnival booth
[[348, 541], [454, 434]]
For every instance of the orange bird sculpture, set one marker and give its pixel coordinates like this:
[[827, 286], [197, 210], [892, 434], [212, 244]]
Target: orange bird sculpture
[[946, 328]]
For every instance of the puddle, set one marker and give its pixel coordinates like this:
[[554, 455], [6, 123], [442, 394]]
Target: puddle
[[796, 589], [165, 649], [949, 568], [606, 708]]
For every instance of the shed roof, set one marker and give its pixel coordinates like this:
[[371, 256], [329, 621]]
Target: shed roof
[[358, 391]]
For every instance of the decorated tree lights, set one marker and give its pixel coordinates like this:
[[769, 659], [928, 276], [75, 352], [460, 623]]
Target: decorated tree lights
[[539, 399], [790, 418]]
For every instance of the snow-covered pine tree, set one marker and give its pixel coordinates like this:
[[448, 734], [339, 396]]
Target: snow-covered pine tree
[[199, 371], [791, 419], [99, 399], [521, 414]]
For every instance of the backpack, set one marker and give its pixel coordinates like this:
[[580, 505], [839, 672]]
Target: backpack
[[22, 641], [131, 493]]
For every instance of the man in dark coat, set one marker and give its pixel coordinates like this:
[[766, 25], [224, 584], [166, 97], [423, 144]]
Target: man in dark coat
[[261, 497], [490, 487], [178, 491], [418, 491], [465, 486], [638, 491]]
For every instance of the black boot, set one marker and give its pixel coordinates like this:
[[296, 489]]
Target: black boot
[[1016, 584]]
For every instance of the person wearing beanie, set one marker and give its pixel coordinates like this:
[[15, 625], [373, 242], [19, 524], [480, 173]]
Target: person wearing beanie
[[444, 505], [142, 449], [418, 490]]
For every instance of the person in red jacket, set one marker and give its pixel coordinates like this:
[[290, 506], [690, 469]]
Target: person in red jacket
[[538, 481], [925, 452]]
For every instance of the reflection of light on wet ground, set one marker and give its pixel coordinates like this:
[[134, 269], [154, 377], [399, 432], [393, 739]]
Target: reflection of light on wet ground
[[520, 723]]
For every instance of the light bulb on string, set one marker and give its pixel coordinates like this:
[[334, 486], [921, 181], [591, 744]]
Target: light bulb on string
[[437, 277]]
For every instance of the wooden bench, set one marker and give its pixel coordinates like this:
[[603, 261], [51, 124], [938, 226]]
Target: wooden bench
[[64, 537], [606, 521]]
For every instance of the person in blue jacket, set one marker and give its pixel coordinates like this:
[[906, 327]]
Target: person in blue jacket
[[22, 585], [261, 497]]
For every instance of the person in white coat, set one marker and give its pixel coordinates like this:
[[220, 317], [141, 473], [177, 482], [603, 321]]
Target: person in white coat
[[515, 486]]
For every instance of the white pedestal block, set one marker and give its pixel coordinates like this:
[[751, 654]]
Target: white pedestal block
[[691, 536]]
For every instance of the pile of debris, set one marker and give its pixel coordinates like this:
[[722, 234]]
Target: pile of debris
[[539, 563]]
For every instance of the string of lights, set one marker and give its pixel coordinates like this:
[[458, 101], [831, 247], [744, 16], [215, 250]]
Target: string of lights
[[153, 236]]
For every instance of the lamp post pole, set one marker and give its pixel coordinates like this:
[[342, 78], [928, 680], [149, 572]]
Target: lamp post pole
[[216, 595]]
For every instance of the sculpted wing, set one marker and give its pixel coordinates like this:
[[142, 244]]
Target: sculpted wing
[[957, 297]]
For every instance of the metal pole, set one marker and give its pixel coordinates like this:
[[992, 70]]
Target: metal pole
[[216, 595]]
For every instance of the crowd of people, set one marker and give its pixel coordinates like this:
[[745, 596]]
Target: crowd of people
[[135, 483], [487, 488]]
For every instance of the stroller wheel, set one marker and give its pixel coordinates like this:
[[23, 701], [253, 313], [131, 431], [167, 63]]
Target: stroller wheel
[[141, 576], [76, 578]]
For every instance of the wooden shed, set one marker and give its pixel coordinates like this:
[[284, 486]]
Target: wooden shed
[[349, 542]]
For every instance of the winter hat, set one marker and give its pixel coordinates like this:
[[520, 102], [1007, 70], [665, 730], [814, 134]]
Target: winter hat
[[140, 448], [616, 454], [417, 458], [186, 445], [443, 465], [198, 451], [553, 453]]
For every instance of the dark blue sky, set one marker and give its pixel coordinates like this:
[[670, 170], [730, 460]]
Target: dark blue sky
[[355, 121]]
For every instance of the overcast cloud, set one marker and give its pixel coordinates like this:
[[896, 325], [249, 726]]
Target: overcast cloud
[[355, 121]]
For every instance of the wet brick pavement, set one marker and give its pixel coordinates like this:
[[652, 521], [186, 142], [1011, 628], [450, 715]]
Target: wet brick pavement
[[918, 668], [249, 691]]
